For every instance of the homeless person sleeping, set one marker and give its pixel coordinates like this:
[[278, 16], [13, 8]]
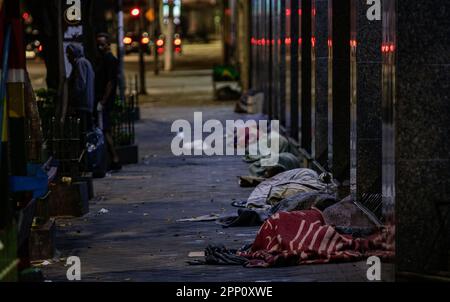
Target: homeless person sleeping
[[302, 223]]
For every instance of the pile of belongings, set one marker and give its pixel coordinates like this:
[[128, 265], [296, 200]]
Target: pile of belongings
[[341, 232], [296, 189], [284, 185], [248, 139], [288, 157], [301, 201]]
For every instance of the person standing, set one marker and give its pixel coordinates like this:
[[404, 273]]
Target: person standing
[[81, 88], [81, 93], [106, 72]]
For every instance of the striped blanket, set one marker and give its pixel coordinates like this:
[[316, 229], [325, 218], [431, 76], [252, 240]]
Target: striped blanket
[[302, 237]]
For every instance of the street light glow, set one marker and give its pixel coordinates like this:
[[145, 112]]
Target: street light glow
[[127, 40], [135, 12]]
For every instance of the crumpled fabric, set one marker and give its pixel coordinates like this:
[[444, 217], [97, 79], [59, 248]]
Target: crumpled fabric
[[350, 214], [303, 237], [284, 185], [286, 161], [297, 202], [289, 156], [219, 255], [305, 201], [285, 146]]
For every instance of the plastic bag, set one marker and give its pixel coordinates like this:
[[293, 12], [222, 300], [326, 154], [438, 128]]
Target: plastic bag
[[96, 152]]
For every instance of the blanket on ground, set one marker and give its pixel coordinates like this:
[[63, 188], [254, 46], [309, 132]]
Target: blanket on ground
[[284, 145], [298, 202], [284, 185], [302, 237], [286, 161]]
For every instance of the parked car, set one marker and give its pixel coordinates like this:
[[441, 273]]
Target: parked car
[[132, 42]]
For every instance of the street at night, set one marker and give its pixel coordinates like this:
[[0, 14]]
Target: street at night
[[253, 142]]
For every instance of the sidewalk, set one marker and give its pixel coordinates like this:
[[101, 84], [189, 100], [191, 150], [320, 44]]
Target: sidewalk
[[139, 238]]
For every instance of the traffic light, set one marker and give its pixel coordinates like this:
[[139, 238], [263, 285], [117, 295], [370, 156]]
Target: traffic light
[[135, 12], [160, 42], [145, 39], [25, 16], [177, 43], [160, 45]]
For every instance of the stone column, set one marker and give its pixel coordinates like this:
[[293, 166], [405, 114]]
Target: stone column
[[295, 69], [275, 48], [281, 27], [305, 80], [365, 106], [319, 81], [416, 127], [339, 85], [244, 38], [288, 59], [267, 49]]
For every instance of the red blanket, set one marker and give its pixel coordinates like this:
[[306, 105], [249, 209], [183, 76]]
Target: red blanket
[[301, 237]]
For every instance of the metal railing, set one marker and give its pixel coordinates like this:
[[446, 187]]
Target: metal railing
[[123, 120], [63, 143]]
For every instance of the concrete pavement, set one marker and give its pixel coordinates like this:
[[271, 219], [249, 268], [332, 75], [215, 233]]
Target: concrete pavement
[[138, 239]]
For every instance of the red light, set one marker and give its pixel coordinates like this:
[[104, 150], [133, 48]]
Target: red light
[[25, 16], [177, 42], [352, 43], [299, 11], [288, 41], [177, 49], [160, 50], [40, 48], [392, 48], [299, 41], [288, 11], [313, 41], [135, 12], [330, 43], [159, 42]]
